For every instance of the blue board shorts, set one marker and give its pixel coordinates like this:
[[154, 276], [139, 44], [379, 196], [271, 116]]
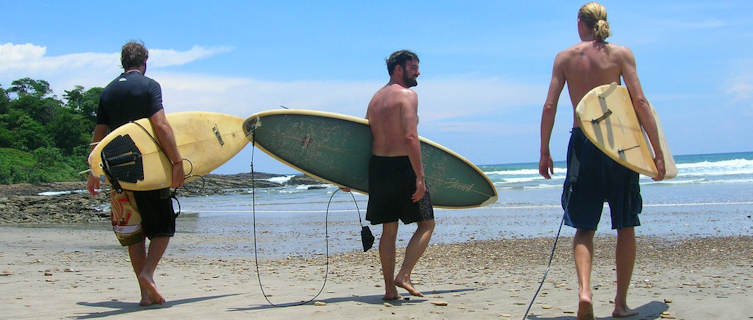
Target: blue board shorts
[[593, 178], [392, 182]]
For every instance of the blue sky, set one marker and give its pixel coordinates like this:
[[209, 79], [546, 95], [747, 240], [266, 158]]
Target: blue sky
[[485, 65]]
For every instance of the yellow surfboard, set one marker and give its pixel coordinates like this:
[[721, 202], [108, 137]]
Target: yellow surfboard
[[132, 155], [608, 120]]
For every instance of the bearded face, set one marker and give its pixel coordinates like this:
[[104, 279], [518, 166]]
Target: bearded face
[[410, 73]]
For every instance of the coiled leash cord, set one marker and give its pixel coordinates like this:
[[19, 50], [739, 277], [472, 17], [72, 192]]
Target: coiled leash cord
[[326, 236]]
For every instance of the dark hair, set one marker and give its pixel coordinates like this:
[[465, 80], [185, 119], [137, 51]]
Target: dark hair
[[133, 55], [399, 58]]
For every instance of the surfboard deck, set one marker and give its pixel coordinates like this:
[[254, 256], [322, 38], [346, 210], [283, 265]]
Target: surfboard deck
[[205, 140], [608, 120], [336, 148]]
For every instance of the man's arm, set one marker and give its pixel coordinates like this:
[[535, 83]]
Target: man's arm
[[546, 165], [409, 118], [100, 131], [166, 138], [642, 109]]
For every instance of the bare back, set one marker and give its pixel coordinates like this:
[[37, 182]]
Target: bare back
[[583, 67], [392, 115], [588, 65]]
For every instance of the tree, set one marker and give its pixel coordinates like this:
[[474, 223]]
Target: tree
[[29, 86], [69, 130], [83, 102], [38, 130], [4, 101], [27, 133]]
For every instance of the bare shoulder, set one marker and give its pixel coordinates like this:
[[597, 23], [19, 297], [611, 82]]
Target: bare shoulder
[[401, 93], [564, 56], [622, 52]]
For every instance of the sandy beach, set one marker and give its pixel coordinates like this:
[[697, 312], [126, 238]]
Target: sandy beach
[[81, 273]]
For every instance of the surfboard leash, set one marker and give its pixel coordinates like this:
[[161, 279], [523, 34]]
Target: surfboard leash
[[549, 264], [573, 170], [256, 252]]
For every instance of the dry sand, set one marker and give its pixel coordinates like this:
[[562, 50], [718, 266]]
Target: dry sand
[[81, 273]]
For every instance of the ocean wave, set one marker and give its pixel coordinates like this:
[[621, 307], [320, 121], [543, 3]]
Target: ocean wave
[[522, 172], [648, 181], [281, 180], [716, 168], [60, 193]]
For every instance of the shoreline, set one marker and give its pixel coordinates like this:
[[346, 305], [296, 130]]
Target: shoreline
[[702, 278], [22, 203]]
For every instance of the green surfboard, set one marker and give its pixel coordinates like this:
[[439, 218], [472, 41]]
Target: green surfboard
[[336, 148]]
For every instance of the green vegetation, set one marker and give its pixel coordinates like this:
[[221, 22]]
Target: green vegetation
[[43, 138]]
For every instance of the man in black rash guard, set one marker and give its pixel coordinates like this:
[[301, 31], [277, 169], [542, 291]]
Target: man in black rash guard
[[132, 96]]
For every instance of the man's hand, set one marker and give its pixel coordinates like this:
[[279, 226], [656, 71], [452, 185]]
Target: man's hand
[[178, 175], [92, 184], [546, 166], [420, 190], [659, 162]]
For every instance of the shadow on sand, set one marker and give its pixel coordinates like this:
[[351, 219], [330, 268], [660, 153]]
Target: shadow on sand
[[371, 299], [651, 310], [121, 307]]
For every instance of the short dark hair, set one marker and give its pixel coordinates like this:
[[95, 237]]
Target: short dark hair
[[399, 58], [133, 55]]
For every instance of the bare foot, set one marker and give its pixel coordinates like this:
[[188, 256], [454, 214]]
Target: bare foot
[[391, 294], [623, 312], [145, 301], [151, 289], [409, 287], [585, 310]]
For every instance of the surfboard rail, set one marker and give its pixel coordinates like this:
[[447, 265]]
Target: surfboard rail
[[257, 121], [607, 118]]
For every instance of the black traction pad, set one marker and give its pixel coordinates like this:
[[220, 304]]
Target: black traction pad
[[123, 160]]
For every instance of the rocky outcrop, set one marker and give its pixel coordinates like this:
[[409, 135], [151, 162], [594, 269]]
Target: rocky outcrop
[[22, 203]]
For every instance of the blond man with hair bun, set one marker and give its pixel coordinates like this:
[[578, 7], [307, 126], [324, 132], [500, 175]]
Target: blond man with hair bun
[[593, 177]]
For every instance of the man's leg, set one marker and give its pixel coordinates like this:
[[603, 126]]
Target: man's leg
[[137, 253], [583, 253], [387, 258], [416, 247], [624, 260], [157, 247]]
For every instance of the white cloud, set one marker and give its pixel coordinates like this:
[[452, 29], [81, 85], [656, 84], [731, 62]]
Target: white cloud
[[739, 84], [169, 57], [451, 97], [87, 69], [439, 99], [443, 101], [741, 89], [245, 96]]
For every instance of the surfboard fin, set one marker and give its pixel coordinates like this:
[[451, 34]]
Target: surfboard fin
[[603, 116]]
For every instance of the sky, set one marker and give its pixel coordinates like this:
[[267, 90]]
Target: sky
[[485, 65]]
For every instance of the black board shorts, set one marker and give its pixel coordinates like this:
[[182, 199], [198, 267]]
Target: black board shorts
[[593, 178], [157, 214], [392, 182]]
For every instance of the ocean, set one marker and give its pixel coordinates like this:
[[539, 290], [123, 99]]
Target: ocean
[[712, 195]]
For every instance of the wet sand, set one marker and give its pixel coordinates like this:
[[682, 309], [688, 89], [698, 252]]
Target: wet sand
[[81, 273]]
